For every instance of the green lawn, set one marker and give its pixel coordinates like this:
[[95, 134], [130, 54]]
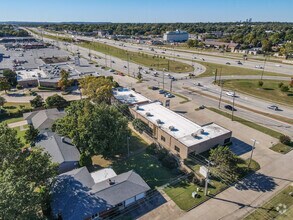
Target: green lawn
[[181, 193], [269, 209], [157, 62], [281, 148], [148, 167], [253, 125], [20, 133], [269, 91], [227, 70], [11, 120], [13, 107]]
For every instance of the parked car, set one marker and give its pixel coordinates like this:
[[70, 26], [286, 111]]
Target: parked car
[[169, 95], [162, 91], [239, 63], [125, 67], [273, 107], [111, 70], [155, 88], [258, 67], [229, 107], [228, 63], [231, 94]]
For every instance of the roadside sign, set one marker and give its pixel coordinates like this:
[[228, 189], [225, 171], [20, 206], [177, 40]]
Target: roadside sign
[[167, 103], [203, 171]]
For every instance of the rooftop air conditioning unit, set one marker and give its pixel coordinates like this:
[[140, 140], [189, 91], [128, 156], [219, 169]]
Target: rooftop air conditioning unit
[[201, 131], [159, 121], [148, 114], [136, 107], [131, 95], [171, 128], [194, 134]]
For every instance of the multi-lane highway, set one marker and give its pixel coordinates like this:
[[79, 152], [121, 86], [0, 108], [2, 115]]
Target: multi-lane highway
[[163, 80]]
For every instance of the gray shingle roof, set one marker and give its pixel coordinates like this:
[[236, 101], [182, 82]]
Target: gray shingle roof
[[76, 196], [43, 119], [126, 185], [60, 151]]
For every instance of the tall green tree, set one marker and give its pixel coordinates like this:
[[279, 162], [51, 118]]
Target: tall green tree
[[31, 135], [95, 129], [37, 102], [224, 162], [97, 89], [4, 84], [11, 76], [25, 177], [2, 101], [64, 81], [56, 101]]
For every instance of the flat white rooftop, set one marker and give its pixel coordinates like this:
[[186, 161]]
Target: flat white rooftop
[[104, 174], [128, 96], [179, 127]]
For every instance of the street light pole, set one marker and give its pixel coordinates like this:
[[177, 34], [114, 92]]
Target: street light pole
[[171, 85], [253, 146], [220, 99], [233, 105], [163, 79]]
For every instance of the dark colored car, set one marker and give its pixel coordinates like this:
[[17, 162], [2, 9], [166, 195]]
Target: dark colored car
[[229, 107]]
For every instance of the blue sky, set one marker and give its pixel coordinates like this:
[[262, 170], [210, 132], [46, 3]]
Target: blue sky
[[146, 10]]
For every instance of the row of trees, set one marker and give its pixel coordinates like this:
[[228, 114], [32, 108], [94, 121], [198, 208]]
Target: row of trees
[[238, 32], [54, 101], [25, 175], [11, 31]]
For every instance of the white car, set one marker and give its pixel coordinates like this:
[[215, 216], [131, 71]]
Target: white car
[[278, 65], [258, 67], [231, 94]]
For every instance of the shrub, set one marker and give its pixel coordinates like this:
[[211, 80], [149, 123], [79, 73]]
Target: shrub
[[85, 160], [169, 162], [260, 83], [152, 149], [284, 88], [162, 153], [140, 126], [284, 139], [19, 86], [280, 84]]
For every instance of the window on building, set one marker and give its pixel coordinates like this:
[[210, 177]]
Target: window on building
[[163, 138], [177, 148]]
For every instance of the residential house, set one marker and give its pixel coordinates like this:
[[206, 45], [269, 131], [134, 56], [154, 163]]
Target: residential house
[[43, 119], [79, 194], [61, 150]]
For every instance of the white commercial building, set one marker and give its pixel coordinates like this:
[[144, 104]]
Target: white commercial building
[[129, 97], [175, 36], [177, 133]]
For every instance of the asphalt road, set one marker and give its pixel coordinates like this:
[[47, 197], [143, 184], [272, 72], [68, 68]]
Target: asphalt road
[[248, 101]]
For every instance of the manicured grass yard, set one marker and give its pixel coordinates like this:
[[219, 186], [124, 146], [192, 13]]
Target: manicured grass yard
[[148, 167], [269, 209], [20, 133], [11, 120], [269, 91], [13, 107], [181, 193]]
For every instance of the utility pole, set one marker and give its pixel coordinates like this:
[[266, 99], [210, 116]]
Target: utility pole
[[233, 105], [263, 67], [105, 60], [253, 146], [171, 85], [216, 72], [127, 63], [207, 179], [163, 79], [220, 99]]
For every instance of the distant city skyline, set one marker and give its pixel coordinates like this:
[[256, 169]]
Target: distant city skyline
[[149, 11]]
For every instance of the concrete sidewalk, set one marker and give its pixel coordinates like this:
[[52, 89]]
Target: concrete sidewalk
[[17, 124]]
